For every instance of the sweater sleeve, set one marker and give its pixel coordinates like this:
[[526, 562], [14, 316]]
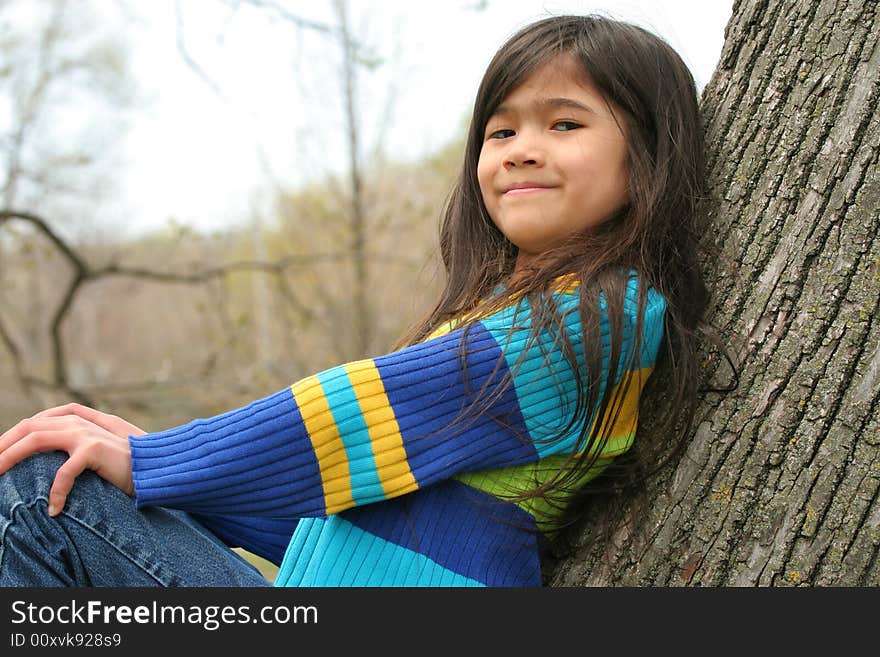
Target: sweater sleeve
[[378, 428]]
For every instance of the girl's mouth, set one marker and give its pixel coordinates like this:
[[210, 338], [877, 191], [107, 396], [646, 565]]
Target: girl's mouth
[[525, 188]]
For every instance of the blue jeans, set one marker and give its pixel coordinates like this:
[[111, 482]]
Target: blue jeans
[[100, 539]]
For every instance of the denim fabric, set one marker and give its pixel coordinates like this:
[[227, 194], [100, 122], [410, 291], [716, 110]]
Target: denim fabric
[[100, 539]]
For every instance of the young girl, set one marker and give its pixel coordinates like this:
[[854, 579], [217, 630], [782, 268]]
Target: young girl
[[569, 247]]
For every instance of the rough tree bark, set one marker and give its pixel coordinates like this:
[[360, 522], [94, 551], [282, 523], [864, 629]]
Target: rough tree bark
[[779, 482]]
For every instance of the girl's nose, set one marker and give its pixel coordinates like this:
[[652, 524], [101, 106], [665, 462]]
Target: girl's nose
[[524, 151]]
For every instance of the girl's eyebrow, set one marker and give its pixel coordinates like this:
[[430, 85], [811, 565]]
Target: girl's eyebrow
[[553, 102], [568, 102]]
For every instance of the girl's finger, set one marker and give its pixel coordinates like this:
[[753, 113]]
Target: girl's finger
[[111, 423], [45, 440], [34, 425], [14, 433], [64, 478]]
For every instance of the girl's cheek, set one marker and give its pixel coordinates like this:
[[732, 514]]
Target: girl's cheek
[[484, 172], [483, 161]]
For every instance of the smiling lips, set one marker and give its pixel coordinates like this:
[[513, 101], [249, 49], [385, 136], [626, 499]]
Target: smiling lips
[[518, 189]]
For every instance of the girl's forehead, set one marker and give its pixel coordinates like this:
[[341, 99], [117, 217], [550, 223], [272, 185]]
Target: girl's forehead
[[560, 74]]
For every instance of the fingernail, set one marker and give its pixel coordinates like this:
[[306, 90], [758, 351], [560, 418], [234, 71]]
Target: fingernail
[[53, 510]]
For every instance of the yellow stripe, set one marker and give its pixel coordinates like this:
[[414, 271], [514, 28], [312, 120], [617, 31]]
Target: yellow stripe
[[622, 433], [385, 439], [326, 443], [443, 329], [566, 284]]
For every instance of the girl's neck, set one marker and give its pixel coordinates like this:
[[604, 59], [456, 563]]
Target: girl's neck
[[522, 269], [529, 267]]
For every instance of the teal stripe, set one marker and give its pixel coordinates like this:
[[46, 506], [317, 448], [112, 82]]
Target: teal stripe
[[299, 550], [365, 484], [653, 331], [652, 328], [532, 370], [350, 556]]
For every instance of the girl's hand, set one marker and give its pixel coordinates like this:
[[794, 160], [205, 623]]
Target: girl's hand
[[94, 440]]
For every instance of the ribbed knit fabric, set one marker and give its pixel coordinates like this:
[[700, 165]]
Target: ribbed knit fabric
[[367, 475]]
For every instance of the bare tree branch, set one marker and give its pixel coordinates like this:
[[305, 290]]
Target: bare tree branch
[[83, 274], [43, 226], [192, 63], [286, 14], [14, 352], [205, 275]]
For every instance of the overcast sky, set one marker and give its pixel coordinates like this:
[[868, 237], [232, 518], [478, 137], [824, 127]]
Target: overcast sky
[[267, 102]]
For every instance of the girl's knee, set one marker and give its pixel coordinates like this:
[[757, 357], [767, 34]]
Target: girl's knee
[[30, 478]]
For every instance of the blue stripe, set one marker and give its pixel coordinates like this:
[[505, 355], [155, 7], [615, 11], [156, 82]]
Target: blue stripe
[[333, 552], [424, 407], [344, 406], [266, 537], [461, 529]]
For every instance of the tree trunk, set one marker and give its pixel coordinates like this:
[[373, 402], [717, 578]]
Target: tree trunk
[[361, 315], [779, 482]]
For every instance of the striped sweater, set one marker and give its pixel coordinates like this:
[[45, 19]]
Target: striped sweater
[[366, 475]]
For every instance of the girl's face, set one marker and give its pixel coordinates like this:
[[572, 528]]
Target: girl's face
[[553, 159]]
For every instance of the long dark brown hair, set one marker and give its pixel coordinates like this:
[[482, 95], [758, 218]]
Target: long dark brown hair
[[655, 233]]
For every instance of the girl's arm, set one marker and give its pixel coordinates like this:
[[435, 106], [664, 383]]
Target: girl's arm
[[374, 429]]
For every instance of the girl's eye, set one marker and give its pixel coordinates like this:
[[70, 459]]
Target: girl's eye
[[564, 126], [501, 134]]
